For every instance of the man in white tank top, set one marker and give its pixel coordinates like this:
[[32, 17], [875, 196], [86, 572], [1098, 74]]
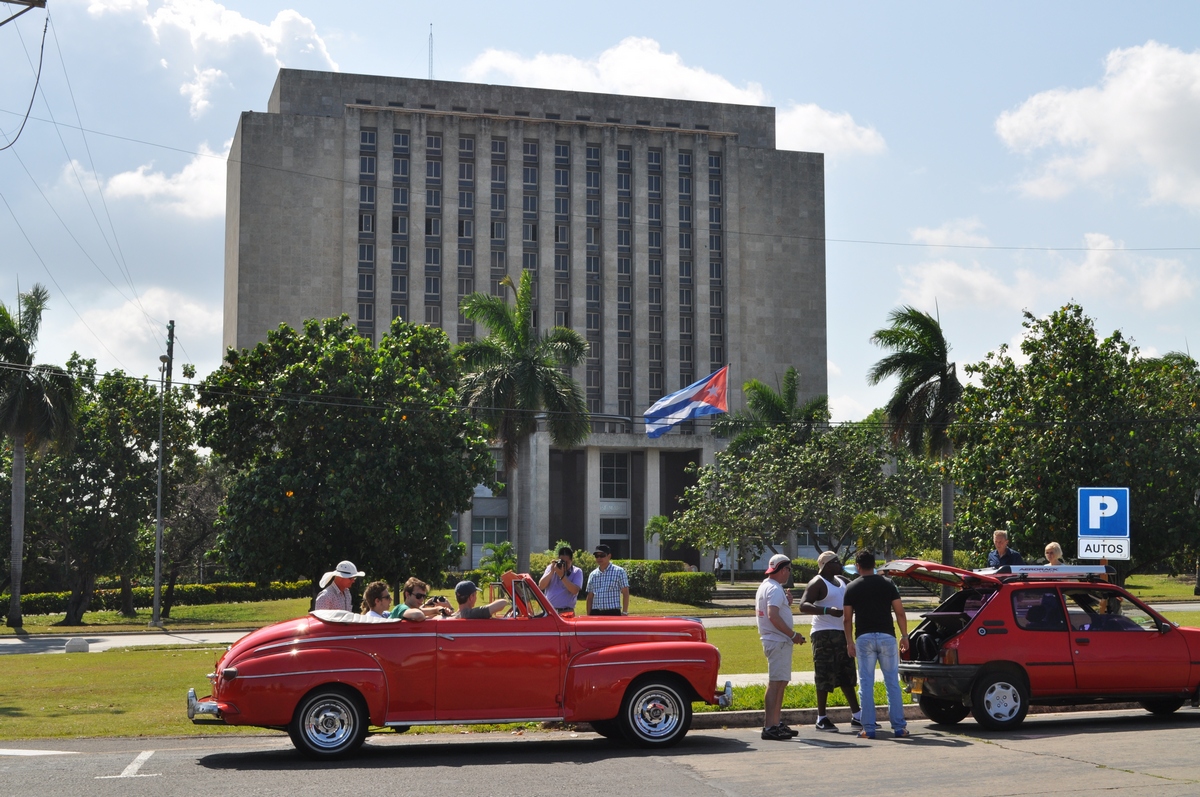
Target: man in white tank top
[[834, 667]]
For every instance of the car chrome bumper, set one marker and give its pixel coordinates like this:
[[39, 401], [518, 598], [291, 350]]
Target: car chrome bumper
[[725, 698], [203, 712]]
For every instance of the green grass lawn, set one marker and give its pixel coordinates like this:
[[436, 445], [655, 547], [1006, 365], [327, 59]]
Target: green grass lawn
[[1162, 588]]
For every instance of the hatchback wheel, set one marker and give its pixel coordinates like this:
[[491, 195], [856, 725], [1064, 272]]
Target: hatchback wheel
[[1163, 706], [655, 713], [1000, 700], [943, 712], [329, 723]]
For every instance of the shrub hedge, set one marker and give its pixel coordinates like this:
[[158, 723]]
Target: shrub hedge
[[691, 588], [185, 595], [645, 575]]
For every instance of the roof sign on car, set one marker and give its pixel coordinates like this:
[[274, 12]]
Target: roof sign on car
[[1061, 572]]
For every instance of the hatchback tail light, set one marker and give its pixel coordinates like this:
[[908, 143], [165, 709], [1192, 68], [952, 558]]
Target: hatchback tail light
[[948, 656]]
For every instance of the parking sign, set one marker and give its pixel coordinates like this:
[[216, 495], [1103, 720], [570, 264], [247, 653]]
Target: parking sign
[[1104, 523]]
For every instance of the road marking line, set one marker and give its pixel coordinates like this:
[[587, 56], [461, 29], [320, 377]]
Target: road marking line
[[131, 771], [37, 752]]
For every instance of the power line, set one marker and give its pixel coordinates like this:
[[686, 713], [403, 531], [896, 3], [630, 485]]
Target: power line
[[36, 82], [56, 285], [856, 241]]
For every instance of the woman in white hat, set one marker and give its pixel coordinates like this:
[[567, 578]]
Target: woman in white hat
[[337, 595]]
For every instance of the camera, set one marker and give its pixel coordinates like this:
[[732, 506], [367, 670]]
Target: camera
[[559, 564]]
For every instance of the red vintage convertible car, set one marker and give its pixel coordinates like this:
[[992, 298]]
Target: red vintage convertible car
[[1042, 635], [327, 677]]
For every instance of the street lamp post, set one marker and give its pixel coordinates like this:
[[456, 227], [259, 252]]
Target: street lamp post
[[156, 620]]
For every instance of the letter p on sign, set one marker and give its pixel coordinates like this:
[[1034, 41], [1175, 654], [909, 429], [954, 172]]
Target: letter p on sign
[[1100, 506]]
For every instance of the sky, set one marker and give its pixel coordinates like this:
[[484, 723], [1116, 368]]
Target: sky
[[982, 160]]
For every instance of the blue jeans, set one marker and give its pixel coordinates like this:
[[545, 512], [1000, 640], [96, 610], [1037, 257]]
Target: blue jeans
[[882, 648]]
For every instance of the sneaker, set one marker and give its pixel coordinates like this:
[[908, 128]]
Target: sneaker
[[903, 733], [855, 722], [783, 726], [776, 734], [826, 724]]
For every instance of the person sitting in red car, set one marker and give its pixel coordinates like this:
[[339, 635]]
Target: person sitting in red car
[[466, 593]]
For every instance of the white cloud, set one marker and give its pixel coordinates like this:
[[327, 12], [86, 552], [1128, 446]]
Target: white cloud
[[98, 7], [811, 128], [199, 90], [832, 369], [1141, 119], [958, 232], [196, 191], [1105, 272], [847, 408], [638, 66]]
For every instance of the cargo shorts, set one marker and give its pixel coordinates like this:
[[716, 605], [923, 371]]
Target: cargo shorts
[[832, 663]]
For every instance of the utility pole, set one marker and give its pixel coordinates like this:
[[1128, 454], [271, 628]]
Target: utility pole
[[164, 384]]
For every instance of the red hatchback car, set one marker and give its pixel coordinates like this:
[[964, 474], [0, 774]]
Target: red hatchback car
[[1018, 636], [327, 677]]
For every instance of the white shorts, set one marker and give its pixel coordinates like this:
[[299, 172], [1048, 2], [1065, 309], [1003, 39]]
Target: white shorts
[[779, 660]]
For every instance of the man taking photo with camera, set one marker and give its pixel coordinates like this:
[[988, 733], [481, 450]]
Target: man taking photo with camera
[[562, 581]]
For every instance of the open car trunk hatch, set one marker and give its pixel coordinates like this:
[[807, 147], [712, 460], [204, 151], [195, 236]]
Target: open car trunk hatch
[[934, 573]]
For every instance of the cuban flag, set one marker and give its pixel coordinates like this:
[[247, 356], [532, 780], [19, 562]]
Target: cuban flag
[[706, 397]]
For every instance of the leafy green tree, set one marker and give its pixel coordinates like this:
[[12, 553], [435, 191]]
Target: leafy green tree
[[37, 408], [340, 450], [514, 374], [767, 408], [88, 504], [191, 527], [923, 404], [1080, 412]]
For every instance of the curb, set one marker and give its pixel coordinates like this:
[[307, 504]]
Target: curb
[[798, 717]]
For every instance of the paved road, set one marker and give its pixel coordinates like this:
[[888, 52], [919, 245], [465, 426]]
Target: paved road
[[1124, 754], [99, 641]]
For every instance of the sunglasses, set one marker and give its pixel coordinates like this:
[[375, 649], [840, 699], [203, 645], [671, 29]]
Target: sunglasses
[[420, 595]]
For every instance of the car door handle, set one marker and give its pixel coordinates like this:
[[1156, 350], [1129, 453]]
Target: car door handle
[[447, 636], [1082, 640]]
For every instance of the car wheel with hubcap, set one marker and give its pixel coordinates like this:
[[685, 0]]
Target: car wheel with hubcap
[[655, 712], [1163, 706], [943, 712], [329, 722], [1000, 700]]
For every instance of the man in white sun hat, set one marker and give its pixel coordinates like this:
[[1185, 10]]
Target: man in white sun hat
[[337, 594]]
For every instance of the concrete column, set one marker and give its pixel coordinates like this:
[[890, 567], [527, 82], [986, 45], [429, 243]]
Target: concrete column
[[416, 219], [483, 212], [734, 345], [353, 121], [701, 336], [450, 228], [608, 271], [653, 477], [592, 499], [383, 226], [538, 496], [513, 214], [545, 222], [639, 308], [578, 224]]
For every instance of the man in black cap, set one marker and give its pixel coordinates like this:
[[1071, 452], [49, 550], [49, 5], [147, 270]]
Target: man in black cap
[[608, 586], [466, 593]]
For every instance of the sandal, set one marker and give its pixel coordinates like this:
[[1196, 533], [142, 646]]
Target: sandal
[[866, 735], [903, 733]]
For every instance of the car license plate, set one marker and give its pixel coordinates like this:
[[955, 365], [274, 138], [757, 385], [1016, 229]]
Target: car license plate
[[916, 685]]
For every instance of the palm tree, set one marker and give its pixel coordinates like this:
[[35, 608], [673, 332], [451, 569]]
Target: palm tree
[[515, 374], [767, 408], [37, 407], [922, 407]]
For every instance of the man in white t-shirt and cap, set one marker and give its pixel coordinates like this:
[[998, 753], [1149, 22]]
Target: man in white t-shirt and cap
[[337, 594], [773, 609], [823, 598]]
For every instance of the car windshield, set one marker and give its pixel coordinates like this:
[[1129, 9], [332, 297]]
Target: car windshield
[[526, 601]]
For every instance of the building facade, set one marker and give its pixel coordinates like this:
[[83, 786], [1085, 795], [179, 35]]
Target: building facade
[[670, 234]]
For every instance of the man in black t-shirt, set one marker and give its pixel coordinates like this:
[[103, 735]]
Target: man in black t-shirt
[[871, 600]]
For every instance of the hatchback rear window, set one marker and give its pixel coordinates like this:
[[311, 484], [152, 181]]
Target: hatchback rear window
[[1038, 610]]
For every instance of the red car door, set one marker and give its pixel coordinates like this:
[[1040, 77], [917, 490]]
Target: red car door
[[1117, 645], [407, 652], [507, 668]]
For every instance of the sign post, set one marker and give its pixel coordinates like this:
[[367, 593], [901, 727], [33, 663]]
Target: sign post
[[1104, 523]]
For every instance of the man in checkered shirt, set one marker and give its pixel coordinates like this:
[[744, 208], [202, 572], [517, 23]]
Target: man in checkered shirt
[[608, 586]]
